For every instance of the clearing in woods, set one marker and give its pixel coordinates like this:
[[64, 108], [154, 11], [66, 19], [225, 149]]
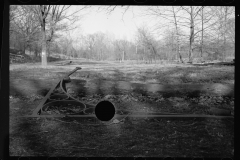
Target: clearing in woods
[[177, 88]]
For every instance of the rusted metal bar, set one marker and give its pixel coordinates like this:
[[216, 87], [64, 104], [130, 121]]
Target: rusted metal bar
[[37, 111], [139, 115]]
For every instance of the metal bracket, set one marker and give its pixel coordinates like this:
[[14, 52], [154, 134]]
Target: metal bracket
[[38, 111]]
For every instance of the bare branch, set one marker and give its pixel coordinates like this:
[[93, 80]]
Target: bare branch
[[186, 9], [196, 13], [125, 12]]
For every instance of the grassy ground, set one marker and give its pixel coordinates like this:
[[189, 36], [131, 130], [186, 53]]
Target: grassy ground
[[151, 137]]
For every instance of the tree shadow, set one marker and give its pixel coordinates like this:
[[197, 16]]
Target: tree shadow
[[39, 145], [39, 88], [30, 132]]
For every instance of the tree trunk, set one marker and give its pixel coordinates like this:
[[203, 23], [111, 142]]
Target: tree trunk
[[136, 49], [202, 38], [179, 53], [191, 37], [153, 50], [225, 26], [178, 42], [48, 50], [24, 48], [44, 47], [190, 52], [123, 55]]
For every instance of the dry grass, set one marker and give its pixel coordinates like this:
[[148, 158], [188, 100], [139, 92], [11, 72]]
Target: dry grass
[[153, 137]]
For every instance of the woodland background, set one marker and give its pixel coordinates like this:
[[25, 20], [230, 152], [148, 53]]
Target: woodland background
[[189, 33]]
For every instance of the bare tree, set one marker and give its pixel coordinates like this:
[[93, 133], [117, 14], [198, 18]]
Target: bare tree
[[42, 12], [191, 20], [91, 41], [147, 41], [23, 23], [206, 16], [198, 19], [12, 12], [110, 9], [170, 43], [182, 17], [100, 46], [122, 46], [192, 11], [66, 45], [51, 17], [202, 16], [231, 31], [177, 33], [226, 10], [171, 15], [226, 13]]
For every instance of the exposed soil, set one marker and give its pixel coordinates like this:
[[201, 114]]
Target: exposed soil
[[156, 88]]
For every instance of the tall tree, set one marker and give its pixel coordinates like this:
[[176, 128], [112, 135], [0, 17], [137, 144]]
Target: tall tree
[[91, 41], [146, 39], [122, 46], [231, 31], [177, 33], [206, 16], [192, 22], [192, 11], [42, 12], [170, 15], [202, 16], [51, 18], [222, 15], [23, 23], [227, 11]]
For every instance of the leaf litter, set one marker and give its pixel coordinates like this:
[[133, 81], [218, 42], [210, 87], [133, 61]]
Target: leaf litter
[[154, 136]]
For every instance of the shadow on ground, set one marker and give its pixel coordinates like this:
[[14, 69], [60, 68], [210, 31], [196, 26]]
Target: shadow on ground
[[135, 137]]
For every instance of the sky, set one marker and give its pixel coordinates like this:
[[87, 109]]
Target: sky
[[122, 27]]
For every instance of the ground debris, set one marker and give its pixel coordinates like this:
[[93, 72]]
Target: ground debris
[[154, 137]]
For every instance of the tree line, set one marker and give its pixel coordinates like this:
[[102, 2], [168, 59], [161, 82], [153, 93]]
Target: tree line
[[183, 32]]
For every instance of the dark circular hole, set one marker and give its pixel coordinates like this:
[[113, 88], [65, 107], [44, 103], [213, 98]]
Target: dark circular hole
[[105, 110]]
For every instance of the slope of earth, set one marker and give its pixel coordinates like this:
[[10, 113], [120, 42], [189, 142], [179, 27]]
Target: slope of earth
[[135, 87]]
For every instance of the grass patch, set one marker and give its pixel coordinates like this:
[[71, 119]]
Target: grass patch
[[151, 137]]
